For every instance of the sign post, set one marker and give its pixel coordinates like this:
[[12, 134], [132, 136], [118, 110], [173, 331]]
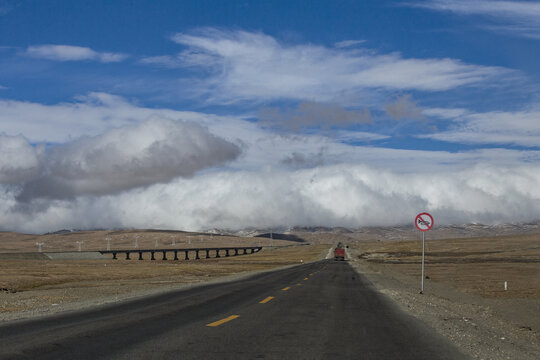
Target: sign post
[[423, 222]]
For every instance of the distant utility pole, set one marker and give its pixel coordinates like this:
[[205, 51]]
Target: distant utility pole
[[271, 239], [79, 243], [39, 245], [173, 240], [189, 240], [136, 245], [108, 243], [157, 243]]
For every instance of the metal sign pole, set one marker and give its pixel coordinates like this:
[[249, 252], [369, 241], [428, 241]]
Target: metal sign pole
[[423, 222], [423, 248]]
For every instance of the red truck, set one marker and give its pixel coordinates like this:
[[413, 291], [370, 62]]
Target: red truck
[[339, 254]]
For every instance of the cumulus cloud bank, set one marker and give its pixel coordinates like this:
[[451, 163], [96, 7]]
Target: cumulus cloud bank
[[153, 151], [190, 174], [340, 195], [19, 160]]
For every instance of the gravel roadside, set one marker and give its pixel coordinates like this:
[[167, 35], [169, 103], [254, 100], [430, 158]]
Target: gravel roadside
[[489, 329]]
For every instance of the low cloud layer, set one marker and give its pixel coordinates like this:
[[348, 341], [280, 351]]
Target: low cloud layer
[[189, 174], [151, 152], [341, 195]]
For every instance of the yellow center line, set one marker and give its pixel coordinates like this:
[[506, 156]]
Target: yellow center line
[[266, 300], [305, 278], [223, 321], [286, 288]]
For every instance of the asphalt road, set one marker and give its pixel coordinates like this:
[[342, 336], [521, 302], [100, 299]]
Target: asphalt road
[[323, 310]]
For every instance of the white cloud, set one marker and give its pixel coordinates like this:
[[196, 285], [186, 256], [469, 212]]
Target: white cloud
[[97, 113], [3, 87], [246, 66], [89, 115], [520, 128], [344, 195], [351, 136], [445, 113], [519, 17], [348, 43], [150, 152], [166, 173], [19, 159], [72, 53], [164, 61]]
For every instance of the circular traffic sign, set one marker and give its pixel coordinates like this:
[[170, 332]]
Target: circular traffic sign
[[423, 221]]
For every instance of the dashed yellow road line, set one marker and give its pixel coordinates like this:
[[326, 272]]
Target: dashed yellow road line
[[266, 300], [305, 278], [286, 288], [223, 321]]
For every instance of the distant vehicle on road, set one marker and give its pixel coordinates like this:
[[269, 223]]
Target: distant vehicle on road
[[339, 253]]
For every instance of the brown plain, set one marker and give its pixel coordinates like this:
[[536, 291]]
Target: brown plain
[[29, 282], [477, 265]]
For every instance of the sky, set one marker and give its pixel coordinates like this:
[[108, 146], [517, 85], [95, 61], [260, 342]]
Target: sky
[[209, 114]]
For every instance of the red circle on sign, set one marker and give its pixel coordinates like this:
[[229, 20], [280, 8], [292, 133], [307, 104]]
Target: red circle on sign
[[423, 221]]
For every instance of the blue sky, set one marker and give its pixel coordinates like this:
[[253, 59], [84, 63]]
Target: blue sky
[[405, 93]]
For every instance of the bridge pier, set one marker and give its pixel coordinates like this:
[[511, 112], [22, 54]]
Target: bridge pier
[[140, 255], [226, 252], [175, 255], [153, 257], [127, 255], [164, 255], [114, 256], [207, 253], [235, 252], [197, 255], [187, 256], [217, 253]]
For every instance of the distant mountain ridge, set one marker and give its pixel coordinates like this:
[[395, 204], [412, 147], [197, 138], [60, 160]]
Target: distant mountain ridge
[[398, 232]]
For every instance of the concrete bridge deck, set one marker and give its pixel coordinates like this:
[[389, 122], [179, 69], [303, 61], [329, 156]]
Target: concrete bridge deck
[[198, 253]]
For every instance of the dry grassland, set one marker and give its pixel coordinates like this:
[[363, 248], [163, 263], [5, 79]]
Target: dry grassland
[[477, 265], [34, 284]]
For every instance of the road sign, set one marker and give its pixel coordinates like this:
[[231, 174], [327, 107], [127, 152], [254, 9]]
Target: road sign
[[423, 221]]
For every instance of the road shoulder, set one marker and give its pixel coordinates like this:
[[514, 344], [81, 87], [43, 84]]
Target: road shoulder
[[479, 327]]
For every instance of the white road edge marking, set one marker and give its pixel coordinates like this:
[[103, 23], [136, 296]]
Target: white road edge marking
[[347, 255]]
